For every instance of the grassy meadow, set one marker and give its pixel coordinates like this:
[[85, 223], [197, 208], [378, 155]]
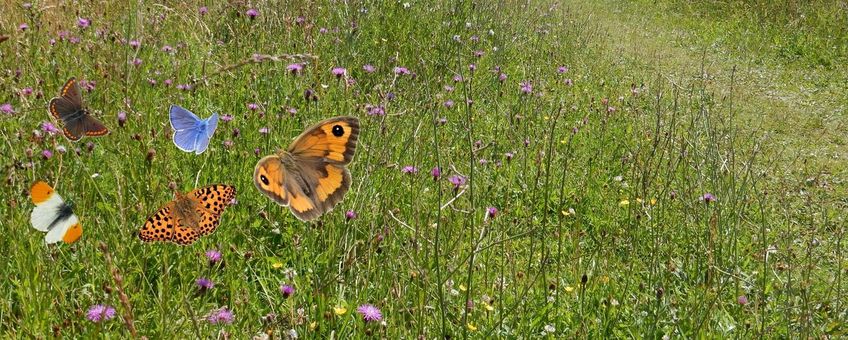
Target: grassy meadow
[[524, 170]]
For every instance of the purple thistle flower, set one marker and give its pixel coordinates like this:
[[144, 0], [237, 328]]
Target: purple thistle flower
[[478, 53], [263, 130], [562, 69], [375, 110], [49, 128], [448, 88], [136, 61], [83, 23], [122, 118], [338, 71], [350, 214], [509, 156], [526, 87], [569, 82], [253, 106], [74, 40], [457, 181], [457, 78], [134, 43], [227, 117], [287, 291], [409, 169], [214, 256], [204, 284], [436, 173], [502, 77], [472, 67], [252, 13], [167, 49], [220, 316], [168, 82], [449, 103], [400, 70], [23, 27], [369, 312], [203, 10], [369, 68], [294, 68], [47, 154], [228, 143], [61, 149], [300, 20], [708, 198], [99, 313], [491, 212], [742, 300]]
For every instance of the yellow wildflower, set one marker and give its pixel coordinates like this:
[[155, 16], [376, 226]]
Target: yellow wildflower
[[623, 203], [462, 287], [277, 265], [340, 310], [569, 289], [471, 326]]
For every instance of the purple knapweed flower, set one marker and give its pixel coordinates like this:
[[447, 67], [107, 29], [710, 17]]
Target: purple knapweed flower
[[526, 87], [294, 68], [742, 300], [400, 70], [98, 313], [369, 68], [49, 128], [263, 130], [350, 214], [23, 27], [47, 154], [220, 316], [457, 181], [204, 284], [287, 290], [134, 44], [562, 69], [409, 169], [338, 71], [203, 10], [708, 198], [83, 23], [252, 106], [369, 312], [252, 13], [436, 172], [491, 212], [122, 118], [214, 256]]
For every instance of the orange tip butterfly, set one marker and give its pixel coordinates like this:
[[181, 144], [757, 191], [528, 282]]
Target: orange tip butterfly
[[53, 216]]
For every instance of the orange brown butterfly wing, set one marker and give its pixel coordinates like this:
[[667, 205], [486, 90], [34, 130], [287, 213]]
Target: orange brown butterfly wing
[[76, 120], [159, 227], [333, 140]]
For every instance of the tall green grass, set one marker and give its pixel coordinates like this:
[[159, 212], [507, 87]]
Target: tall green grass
[[598, 176]]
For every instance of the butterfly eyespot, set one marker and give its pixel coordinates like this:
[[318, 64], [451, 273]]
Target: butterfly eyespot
[[264, 180], [338, 131]]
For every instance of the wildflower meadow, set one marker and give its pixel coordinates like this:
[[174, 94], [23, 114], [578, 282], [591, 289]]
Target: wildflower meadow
[[542, 169]]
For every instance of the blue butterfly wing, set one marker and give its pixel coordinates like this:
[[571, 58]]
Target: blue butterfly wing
[[186, 139], [182, 119], [205, 135]]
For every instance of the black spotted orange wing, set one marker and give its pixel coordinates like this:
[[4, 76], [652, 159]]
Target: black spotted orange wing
[[206, 206], [69, 109], [211, 202], [159, 227]]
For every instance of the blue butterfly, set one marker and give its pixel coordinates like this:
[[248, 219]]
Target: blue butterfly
[[192, 134]]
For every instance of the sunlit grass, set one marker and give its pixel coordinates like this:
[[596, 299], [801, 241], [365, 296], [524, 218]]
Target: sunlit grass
[[621, 208]]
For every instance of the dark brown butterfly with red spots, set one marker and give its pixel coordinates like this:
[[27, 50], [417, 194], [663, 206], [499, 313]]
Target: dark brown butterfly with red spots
[[188, 217], [68, 108]]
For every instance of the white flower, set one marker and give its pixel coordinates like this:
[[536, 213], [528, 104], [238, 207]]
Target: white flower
[[550, 328]]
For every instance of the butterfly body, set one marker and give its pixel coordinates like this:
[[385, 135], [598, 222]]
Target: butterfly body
[[53, 215], [192, 134], [70, 110], [311, 176], [190, 216]]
